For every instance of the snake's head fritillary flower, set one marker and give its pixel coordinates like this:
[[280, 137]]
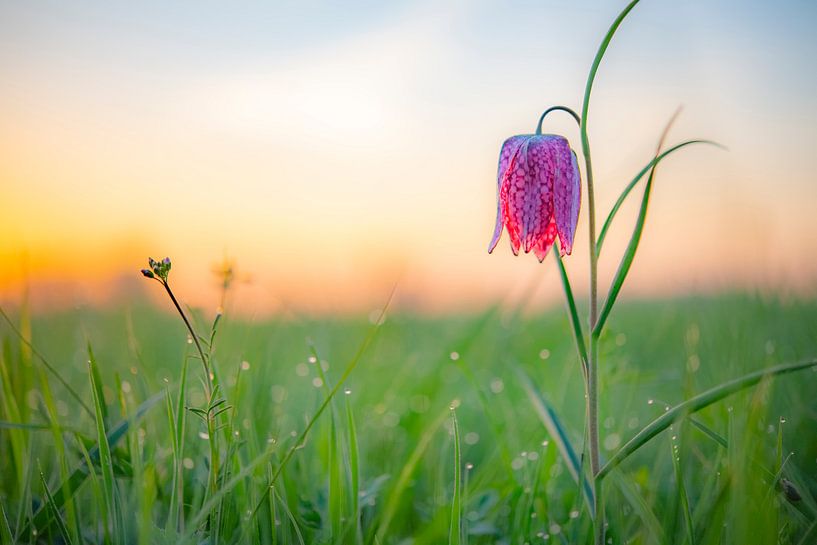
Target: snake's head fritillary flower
[[538, 194]]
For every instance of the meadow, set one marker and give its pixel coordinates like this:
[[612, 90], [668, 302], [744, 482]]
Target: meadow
[[441, 432]]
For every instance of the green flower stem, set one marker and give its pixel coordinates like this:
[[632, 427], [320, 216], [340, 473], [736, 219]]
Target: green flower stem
[[592, 387], [208, 390], [204, 360]]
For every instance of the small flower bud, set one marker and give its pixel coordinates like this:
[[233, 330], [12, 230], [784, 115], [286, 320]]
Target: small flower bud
[[147, 273]]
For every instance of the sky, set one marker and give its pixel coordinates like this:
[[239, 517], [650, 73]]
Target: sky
[[330, 150]]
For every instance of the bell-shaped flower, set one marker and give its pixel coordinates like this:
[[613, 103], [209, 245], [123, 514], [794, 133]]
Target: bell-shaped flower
[[538, 194]]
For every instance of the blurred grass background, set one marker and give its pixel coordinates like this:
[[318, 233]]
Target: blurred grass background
[[515, 488]]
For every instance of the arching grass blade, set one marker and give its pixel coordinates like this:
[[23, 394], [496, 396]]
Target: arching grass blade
[[634, 182], [695, 404]]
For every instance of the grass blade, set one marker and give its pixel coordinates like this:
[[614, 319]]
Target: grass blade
[[97, 384], [455, 531], [228, 486], [105, 459], [649, 522], [55, 511], [354, 470], [695, 404], [578, 334], [42, 518], [635, 239], [634, 181], [557, 432], [393, 502], [73, 393], [6, 537], [17, 439], [682, 491]]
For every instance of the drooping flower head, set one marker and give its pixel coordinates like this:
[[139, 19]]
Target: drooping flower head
[[538, 194]]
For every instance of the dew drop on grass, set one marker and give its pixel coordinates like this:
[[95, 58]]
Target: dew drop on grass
[[313, 359], [204, 435], [245, 365], [650, 401], [391, 419], [533, 456], [555, 528], [612, 441], [347, 391], [544, 354], [188, 463], [471, 438], [574, 514], [497, 385], [301, 370], [317, 382], [454, 356], [189, 339], [469, 466], [454, 404], [782, 419], [517, 464], [545, 443], [769, 347], [278, 393]]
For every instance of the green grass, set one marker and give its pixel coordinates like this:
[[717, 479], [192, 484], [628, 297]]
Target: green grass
[[385, 461]]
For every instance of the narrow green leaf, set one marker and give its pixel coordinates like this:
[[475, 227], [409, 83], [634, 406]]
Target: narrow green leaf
[[55, 511], [634, 181], [455, 530], [97, 382], [694, 405], [6, 537], [709, 432], [403, 479], [547, 414], [228, 486], [105, 459], [354, 471], [578, 334], [682, 491], [591, 77], [42, 518], [631, 494], [635, 239], [59, 446], [73, 393], [17, 439]]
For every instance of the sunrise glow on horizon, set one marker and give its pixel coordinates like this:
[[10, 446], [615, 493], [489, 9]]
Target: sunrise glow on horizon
[[331, 156]]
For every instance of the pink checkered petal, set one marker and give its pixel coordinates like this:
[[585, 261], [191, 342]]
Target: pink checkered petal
[[567, 194], [509, 148]]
